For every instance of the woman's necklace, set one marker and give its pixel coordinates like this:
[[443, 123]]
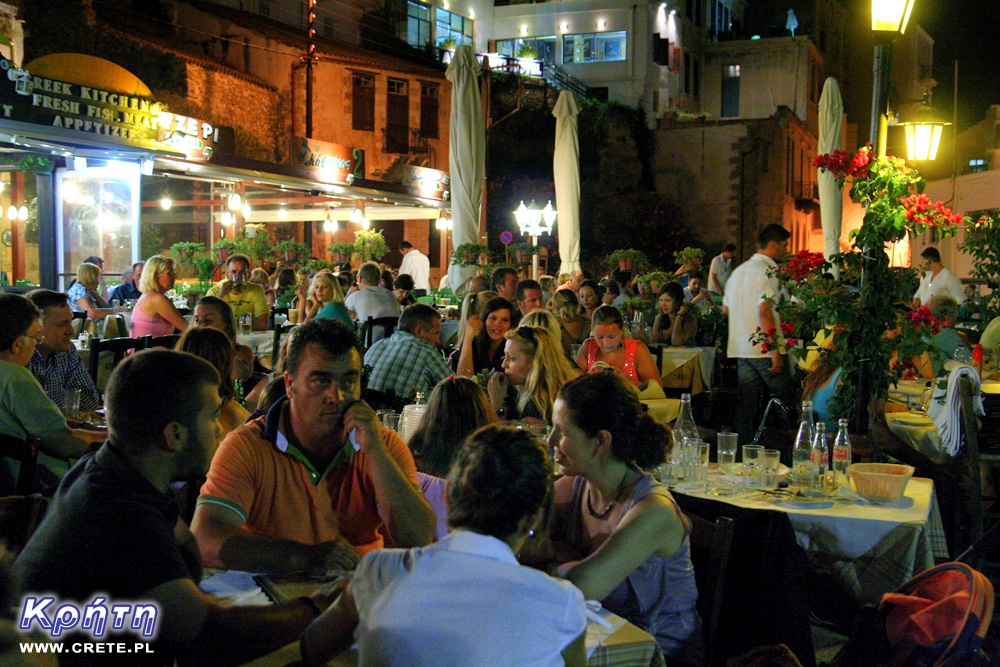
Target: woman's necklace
[[607, 510]]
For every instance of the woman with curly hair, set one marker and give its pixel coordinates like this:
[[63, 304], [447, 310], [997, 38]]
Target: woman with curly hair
[[625, 537]]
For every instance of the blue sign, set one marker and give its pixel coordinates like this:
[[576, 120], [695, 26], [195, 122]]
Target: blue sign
[[506, 238]]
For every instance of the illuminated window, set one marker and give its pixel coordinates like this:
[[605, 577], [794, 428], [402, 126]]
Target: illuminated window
[[536, 48], [418, 24], [594, 47], [451, 29]]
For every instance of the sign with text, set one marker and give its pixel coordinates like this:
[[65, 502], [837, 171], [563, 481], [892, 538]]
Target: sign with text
[[332, 163], [431, 183], [197, 139], [34, 99]]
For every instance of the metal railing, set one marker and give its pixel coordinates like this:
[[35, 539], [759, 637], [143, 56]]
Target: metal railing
[[805, 190]]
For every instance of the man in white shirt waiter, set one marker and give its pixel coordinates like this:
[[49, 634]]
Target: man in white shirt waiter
[[937, 280], [720, 269], [746, 302], [417, 266]]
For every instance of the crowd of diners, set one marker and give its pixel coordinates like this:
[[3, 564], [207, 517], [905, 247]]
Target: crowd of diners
[[474, 543]]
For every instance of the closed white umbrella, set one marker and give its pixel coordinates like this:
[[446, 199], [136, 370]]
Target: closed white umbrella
[[566, 173], [831, 200], [466, 154]]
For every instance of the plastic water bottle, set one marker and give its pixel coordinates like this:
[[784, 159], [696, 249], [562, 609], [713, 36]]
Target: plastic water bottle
[[962, 355], [841, 455], [802, 451]]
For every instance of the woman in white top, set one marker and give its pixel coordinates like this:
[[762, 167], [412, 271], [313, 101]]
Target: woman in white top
[[415, 606]]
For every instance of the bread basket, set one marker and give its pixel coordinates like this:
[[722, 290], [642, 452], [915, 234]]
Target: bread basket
[[880, 482]]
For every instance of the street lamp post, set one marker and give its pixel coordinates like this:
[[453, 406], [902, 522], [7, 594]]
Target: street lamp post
[[889, 19], [534, 222]]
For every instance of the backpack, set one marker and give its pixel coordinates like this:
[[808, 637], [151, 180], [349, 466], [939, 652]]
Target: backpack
[[939, 618]]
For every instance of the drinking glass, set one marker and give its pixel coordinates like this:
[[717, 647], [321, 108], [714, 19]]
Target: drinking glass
[[770, 459], [390, 419], [751, 466], [71, 403], [246, 321], [699, 465], [727, 443]]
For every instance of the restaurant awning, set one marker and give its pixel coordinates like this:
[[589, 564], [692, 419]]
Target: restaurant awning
[[71, 143], [398, 202]]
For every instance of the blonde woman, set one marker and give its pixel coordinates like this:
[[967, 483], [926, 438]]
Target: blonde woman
[[154, 314], [84, 295], [567, 309], [546, 320], [534, 365], [325, 299]]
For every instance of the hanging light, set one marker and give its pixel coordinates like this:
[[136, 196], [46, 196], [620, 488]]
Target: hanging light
[[358, 213], [235, 201], [12, 212], [365, 223], [889, 17], [166, 203], [22, 213], [227, 218], [328, 223], [282, 212], [923, 132], [246, 211]]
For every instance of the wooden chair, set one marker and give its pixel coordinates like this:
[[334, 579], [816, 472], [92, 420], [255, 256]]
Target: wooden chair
[[168, 341], [711, 545], [82, 317], [118, 322], [275, 310], [117, 346], [276, 343], [19, 517], [25, 452], [388, 325]]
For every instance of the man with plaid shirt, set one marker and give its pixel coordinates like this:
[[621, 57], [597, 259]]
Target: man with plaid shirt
[[409, 361], [55, 363]]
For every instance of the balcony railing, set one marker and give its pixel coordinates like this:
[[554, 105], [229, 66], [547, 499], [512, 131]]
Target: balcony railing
[[536, 69], [399, 139], [805, 190]]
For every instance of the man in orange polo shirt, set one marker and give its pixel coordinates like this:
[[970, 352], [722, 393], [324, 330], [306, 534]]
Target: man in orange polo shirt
[[310, 485]]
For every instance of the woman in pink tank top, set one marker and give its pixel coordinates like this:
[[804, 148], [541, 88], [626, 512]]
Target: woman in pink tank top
[[154, 314], [608, 347]]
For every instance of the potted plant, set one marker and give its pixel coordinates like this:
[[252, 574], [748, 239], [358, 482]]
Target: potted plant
[[522, 251], [628, 259], [689, 259], [255, 242], [469, 253], [316, 265], [341, 251], [292, 250], [632, 306], [184, 251], [194, 291], [224, 248], [206, 269], [655, 280], [857, 322], [370, 244]]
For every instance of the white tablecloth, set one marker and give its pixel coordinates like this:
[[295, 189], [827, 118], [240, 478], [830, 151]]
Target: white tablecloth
[[870, 549], [260, 342]]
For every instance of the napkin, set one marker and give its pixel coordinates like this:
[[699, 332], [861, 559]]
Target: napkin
[[945, 406], [234, 585]]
